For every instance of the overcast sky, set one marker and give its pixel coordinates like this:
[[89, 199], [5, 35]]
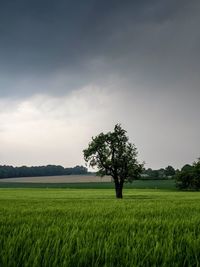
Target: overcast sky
[[70, 69]]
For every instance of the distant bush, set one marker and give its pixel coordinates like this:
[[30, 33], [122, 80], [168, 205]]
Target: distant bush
[[189, 177]]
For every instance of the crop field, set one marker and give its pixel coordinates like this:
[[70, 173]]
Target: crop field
[[89, 227], [76, 182], [58, 179]]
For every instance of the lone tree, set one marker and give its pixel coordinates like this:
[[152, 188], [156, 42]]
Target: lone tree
[[113, 155]]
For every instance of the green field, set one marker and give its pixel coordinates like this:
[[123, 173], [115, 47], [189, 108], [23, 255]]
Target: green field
[[89, 227], [138, 184]]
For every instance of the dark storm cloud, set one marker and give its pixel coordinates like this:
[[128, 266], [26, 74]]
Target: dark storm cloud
[[88, 40]]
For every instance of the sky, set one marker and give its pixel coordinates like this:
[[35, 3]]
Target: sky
[[70, 69]]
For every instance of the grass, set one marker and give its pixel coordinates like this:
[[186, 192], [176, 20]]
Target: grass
[[139, 184], [89, 227]]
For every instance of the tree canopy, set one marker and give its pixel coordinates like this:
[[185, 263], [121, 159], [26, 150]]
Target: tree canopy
[[114, 155], [189, 177]]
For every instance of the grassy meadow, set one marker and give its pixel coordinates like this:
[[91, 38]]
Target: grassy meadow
[[89, 227]]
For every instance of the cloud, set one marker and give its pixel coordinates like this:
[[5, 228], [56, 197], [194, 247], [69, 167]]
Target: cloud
[[70, 71], [155, 43], [45, 129]]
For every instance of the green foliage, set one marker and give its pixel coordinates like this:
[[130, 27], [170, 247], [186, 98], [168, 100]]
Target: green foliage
[[166, 173], [187, 167], [49, 170], [55, 227], [189, 177], [170, 171], [113, 155]]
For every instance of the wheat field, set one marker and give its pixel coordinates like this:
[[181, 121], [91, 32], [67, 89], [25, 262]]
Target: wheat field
[[87, 227]]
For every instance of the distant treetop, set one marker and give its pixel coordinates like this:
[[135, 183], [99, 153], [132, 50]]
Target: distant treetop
[[49, 170]]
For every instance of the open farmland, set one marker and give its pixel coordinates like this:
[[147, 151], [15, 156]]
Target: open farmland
[[59, 179], [82, 182], [76, 227]]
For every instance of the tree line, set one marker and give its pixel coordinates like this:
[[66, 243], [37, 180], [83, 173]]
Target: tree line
[[49, 170], [163, 173], [187, 178]]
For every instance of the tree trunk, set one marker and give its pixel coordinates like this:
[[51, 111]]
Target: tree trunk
[[118, 189]]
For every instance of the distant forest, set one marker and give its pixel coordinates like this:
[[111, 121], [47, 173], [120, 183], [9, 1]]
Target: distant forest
[[53, 170], [168, 172], [49, 170]]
